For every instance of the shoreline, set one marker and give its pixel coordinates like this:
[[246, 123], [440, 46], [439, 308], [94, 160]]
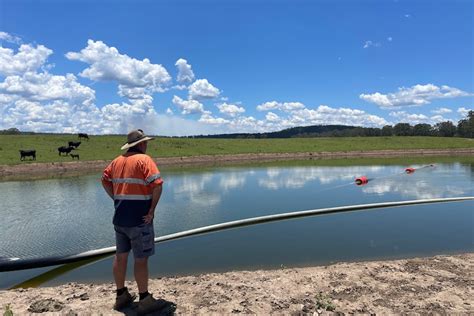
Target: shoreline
[[440, 284], [76, 167]]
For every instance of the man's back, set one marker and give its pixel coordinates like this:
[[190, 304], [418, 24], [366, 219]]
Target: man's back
[[133, 175]]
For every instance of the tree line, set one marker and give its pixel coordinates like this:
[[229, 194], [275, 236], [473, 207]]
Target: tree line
[[464, 128]]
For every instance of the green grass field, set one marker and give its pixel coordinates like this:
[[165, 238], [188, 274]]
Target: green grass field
[[108, 147]]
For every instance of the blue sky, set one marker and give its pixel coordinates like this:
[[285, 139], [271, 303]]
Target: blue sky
[[199, 67]]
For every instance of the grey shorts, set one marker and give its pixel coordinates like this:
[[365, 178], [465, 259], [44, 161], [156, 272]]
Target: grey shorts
[[141, 239]]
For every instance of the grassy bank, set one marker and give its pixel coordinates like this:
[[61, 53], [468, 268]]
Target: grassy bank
[[107, 147]]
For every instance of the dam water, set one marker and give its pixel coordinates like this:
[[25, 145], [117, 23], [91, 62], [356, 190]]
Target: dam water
[[71, 215]]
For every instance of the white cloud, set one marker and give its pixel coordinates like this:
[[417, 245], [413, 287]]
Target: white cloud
[[207, 118], [437, 118], [272, 117], [328, 115], [463, 111], [180, 87], [132, 92], [285, 106], [47, 87], [202, 89], [169, 111], [185, 73], [107, 64], [415, 96], [368, 44], [247, 124], [441, 111], [414, 118], [230, 109], [27, 59], [188, 106], [10, 38]]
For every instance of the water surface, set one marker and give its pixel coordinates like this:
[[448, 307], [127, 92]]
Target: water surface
[[72, 215]]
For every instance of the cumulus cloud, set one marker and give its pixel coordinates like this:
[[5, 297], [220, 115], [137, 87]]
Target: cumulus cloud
[[188, 106], [416, 95], [272, 117], [328, 115], [27, 59], [285, 106], [414, 118], [180, 87], [299, 117], [463, 111], [185, 73], [441, 111], [230, 109], [107, 64], [9, 38], [207, 118], [47, 87], [202, 89]]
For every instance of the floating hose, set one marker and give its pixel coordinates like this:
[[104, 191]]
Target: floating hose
[[22, 264], [364, 180]]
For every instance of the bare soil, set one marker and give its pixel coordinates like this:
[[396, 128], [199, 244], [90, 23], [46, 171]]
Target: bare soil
[[436, 285]]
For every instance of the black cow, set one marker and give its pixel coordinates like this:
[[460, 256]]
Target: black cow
[[27, 153], [74, 144], [64, 149], [76, 156], [83, 135]]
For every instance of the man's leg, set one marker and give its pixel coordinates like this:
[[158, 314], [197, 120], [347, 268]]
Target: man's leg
[[141, 274], [120, 269]]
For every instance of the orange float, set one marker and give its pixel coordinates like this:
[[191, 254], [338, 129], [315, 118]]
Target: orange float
[[361, 180]]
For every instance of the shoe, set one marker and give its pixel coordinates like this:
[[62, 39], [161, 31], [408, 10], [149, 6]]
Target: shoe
[[149, 305], [124, 300]]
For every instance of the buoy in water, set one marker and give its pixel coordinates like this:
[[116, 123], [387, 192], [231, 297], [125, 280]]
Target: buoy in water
[[361, 180], [410, 170]]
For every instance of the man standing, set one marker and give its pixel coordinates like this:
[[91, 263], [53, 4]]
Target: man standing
[[133, 181]]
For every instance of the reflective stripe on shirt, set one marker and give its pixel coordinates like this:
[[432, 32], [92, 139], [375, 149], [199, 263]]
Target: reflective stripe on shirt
[[152, 178], [132, 197], [129, 180]]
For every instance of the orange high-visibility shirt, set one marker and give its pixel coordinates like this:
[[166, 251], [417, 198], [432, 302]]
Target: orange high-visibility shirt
[[133, 176]]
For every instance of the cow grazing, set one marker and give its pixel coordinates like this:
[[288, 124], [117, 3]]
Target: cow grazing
[[83, 135], [64, 149], [74, 144], [28, 153], [74, 156]]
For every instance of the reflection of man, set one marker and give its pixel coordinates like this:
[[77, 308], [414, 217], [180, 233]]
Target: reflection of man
[[133, 181]]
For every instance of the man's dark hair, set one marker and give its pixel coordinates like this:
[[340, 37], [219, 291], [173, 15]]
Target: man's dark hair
[[135, 149]]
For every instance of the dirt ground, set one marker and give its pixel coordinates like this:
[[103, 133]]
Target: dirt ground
[[31, 170], [435, 285]]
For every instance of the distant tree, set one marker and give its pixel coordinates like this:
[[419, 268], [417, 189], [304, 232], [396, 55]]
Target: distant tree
[[387, 130], [466, 126], [10, 131], [422, 129], [402, 129], [445, 129]]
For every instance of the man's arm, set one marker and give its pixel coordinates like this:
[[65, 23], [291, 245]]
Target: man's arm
[[148, 218], [109, 188]]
